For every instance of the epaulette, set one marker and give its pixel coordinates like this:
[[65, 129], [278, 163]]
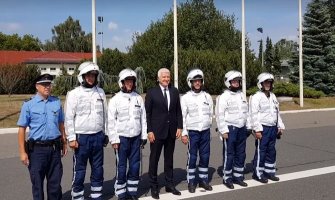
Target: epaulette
[[26, 100]]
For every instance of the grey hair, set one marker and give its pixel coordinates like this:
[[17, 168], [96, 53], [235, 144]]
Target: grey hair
[[162, 70]]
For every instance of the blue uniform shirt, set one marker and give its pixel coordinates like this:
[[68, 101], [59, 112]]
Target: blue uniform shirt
[[42, 117]]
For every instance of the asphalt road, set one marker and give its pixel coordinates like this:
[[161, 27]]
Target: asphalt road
[[308, 143]]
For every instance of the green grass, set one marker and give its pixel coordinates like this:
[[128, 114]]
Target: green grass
[[324, 102], [10, 106]]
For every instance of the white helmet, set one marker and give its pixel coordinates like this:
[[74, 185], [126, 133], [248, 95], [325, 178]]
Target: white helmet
[[263, 77], [194, 74], [86, 67], [125, 74], [229, 76]]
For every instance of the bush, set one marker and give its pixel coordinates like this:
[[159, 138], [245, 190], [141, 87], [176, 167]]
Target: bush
[[290, 89]]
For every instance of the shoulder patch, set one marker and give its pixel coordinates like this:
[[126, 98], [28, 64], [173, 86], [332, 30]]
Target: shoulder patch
[[26, 100]]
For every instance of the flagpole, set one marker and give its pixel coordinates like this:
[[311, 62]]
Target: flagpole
[[243, 52], [94, 46], [301, 78], [175, 40]]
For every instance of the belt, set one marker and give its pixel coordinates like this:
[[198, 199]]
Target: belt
[[46, 142]]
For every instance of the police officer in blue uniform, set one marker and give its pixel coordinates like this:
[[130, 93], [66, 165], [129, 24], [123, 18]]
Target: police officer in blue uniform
[[45, 143]]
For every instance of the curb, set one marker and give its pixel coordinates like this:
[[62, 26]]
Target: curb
[[307, 110]]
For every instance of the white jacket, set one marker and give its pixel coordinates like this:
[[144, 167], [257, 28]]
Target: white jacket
[[126, 117], [197, 110], [85, 111], [264, 111], [231, 110]]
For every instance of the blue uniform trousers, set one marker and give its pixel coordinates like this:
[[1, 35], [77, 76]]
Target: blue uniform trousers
[[199, 141], [129, 150], [264, 163], [45, 162], [91, 149], [234, 154]]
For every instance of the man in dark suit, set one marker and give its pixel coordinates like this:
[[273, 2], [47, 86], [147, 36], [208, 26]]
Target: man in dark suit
[[165, 123]]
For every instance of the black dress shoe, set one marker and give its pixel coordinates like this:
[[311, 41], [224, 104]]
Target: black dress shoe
[[191, 188], [229, 184], [205, 185], [273, 178], [241, 183], [154, 194], [172, 190], [262, 180]]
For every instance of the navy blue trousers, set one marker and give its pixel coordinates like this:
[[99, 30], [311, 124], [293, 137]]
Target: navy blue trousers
[[90, 149], [45, 162], [264, 163], [129, 150], [234, 154], [199, 141]]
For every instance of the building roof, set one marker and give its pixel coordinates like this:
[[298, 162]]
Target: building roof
[[39, 57]]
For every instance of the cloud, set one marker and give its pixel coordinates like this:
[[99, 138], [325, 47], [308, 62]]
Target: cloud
[[10, 27], [112, 26]]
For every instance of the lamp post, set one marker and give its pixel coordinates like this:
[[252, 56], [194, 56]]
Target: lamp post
[[94, 47], [102, 41], [244, 87], [175, 44], [301, 78], [101, 19], [260, 29]]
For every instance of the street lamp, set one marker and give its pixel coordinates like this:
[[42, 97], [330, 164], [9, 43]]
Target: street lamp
[[101, 19], [260, 29], [102, 40]]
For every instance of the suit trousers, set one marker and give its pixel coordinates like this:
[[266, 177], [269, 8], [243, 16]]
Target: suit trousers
[[155, 152]]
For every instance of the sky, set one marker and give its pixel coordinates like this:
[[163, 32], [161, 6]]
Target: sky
[[122, 18]]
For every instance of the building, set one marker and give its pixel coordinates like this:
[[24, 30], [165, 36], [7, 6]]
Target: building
[[48, 61]]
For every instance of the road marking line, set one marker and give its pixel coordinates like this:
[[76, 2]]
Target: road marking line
[[251, 183]]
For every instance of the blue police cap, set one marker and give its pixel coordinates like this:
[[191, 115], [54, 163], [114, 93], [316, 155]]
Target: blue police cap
[[44, 78]]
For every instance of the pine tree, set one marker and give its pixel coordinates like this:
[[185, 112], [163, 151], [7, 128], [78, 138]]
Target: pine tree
[[276, 70], [260, 51], [268, 56], [319, 47]]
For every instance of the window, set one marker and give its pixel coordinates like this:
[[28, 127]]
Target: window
[[53, 69], [43, 69], [71, 69]]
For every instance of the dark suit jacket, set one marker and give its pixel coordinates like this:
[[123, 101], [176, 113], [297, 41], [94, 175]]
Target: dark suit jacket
[[160, 120]]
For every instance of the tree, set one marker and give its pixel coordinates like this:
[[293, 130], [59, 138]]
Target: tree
[[26, 84], [260, 51], [112, 61], [286, 48], [10, 76], [276, 70], [69, 37], [268, 56], [207, 39], [29, 43], [63, 71], [16, 43], [318, 48]]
